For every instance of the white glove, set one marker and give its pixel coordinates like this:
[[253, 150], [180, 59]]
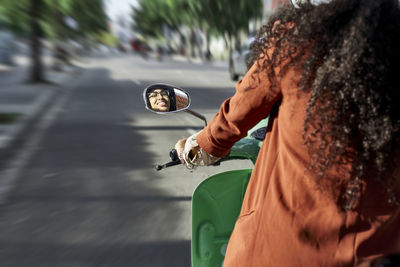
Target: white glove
[[193, 155]]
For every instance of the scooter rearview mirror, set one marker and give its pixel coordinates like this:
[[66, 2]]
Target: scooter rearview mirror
[[163, 98]]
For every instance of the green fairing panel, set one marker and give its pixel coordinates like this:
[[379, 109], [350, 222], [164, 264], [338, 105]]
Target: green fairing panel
[[217, 202], [248, 147], [215, 207]]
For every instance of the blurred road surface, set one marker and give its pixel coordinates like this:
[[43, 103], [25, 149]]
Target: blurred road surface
[[88, 195]]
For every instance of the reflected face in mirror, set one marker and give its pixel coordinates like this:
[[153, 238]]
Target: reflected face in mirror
[[159, 100], [164, 98]]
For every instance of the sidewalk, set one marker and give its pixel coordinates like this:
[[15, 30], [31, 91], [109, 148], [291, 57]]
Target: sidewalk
[[23, 103]]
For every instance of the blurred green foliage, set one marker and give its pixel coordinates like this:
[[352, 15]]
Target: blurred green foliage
[[106, 38], [224, 18], [52, 19], [14, 16], [89, 16]]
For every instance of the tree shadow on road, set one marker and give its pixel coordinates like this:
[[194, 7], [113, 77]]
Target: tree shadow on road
[[76, 204], [87, 254]]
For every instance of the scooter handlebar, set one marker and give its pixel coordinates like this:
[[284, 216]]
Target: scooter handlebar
[[173, 154], [174, 161]]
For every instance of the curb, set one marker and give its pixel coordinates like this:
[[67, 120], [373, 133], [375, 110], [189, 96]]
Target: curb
[[15, 128], [17, 133], [27, 134]]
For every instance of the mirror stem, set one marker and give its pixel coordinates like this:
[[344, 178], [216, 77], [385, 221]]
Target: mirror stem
[[197, 115]]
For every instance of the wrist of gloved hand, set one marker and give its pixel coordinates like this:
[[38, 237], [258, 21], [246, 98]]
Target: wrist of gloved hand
[[193, 155]]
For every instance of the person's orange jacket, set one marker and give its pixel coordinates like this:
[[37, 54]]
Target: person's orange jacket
[[285, 220]]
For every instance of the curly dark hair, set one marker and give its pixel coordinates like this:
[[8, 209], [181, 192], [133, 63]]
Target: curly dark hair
[[348, 52]]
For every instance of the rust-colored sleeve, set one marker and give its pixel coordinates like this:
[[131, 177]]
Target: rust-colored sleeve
[[251, 103]]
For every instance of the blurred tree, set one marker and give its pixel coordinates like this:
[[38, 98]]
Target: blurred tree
[[64, 19], [89, 14], [151, 15], [147, 17], [14, 16], [229, 17], [226, 18], [204, 16], [36, 74], [54, 19]]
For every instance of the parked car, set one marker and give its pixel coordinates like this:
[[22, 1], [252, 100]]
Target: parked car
[[238, 65], [7, 47]]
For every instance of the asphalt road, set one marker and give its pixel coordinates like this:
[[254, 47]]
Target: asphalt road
[[89, 195]]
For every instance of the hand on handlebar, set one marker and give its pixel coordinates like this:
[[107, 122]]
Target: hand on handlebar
[[191, 154], [179, 147]]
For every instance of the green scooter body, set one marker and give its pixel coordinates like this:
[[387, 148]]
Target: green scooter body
[[216, 205]]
